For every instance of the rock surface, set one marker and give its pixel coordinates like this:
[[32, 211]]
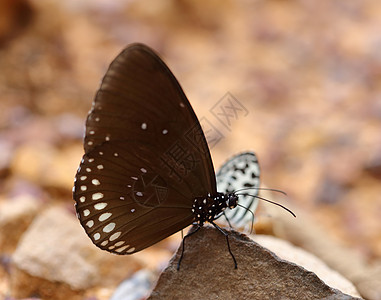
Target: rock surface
[[207, 272], [56, 260], [15, 217], [348, 261]]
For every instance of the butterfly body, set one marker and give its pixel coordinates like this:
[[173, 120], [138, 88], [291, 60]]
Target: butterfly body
[[210, 208]]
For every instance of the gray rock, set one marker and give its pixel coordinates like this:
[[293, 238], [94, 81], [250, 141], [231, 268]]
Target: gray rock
[[207, 272], [56, 260]]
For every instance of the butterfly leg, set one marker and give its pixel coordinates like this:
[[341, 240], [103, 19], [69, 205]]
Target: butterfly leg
[[183, 245], [227, 240], [227, 219]]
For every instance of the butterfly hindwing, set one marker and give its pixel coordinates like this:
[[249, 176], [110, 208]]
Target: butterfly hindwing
[[146, 157]]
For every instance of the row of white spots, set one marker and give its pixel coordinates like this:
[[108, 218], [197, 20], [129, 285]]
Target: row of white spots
[[97, 206], [144, 127], [101, 218], [90, 143], [94, 181], [112, 238]]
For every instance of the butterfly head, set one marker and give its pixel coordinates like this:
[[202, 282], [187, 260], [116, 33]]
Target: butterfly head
[[232, 200]]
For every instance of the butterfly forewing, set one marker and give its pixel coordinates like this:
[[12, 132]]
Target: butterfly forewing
[[146, 157], [241, 171]]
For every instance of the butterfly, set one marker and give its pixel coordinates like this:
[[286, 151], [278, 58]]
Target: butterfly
[[240, 173], [147, 171]]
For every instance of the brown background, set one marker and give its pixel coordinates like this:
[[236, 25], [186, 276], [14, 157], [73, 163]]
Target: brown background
[[308, 73]]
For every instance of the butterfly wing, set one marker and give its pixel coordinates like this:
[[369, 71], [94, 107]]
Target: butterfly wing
[[241, 171], [146, 157]]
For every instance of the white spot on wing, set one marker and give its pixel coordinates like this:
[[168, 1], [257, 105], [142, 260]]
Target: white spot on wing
[[131, 250], [97, 236], [144, 126], [109, 227], [90, 223], [86, 212], [104, 216], [97, 196], [121, 249], [95, 182], [114, 236], [100, 206]]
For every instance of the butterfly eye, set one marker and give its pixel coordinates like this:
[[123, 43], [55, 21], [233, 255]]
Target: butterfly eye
[[232, 201]]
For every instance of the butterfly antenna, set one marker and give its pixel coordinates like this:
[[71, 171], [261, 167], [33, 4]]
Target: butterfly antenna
[[264, 199], [252, 219], [261, 189]]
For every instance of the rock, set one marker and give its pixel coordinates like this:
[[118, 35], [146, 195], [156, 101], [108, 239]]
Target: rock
[[137, 287], [56, 260], [346, 260], [288, 252], [15, 216], [207, 271]]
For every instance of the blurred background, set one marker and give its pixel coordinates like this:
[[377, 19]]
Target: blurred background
[[307, 73]]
